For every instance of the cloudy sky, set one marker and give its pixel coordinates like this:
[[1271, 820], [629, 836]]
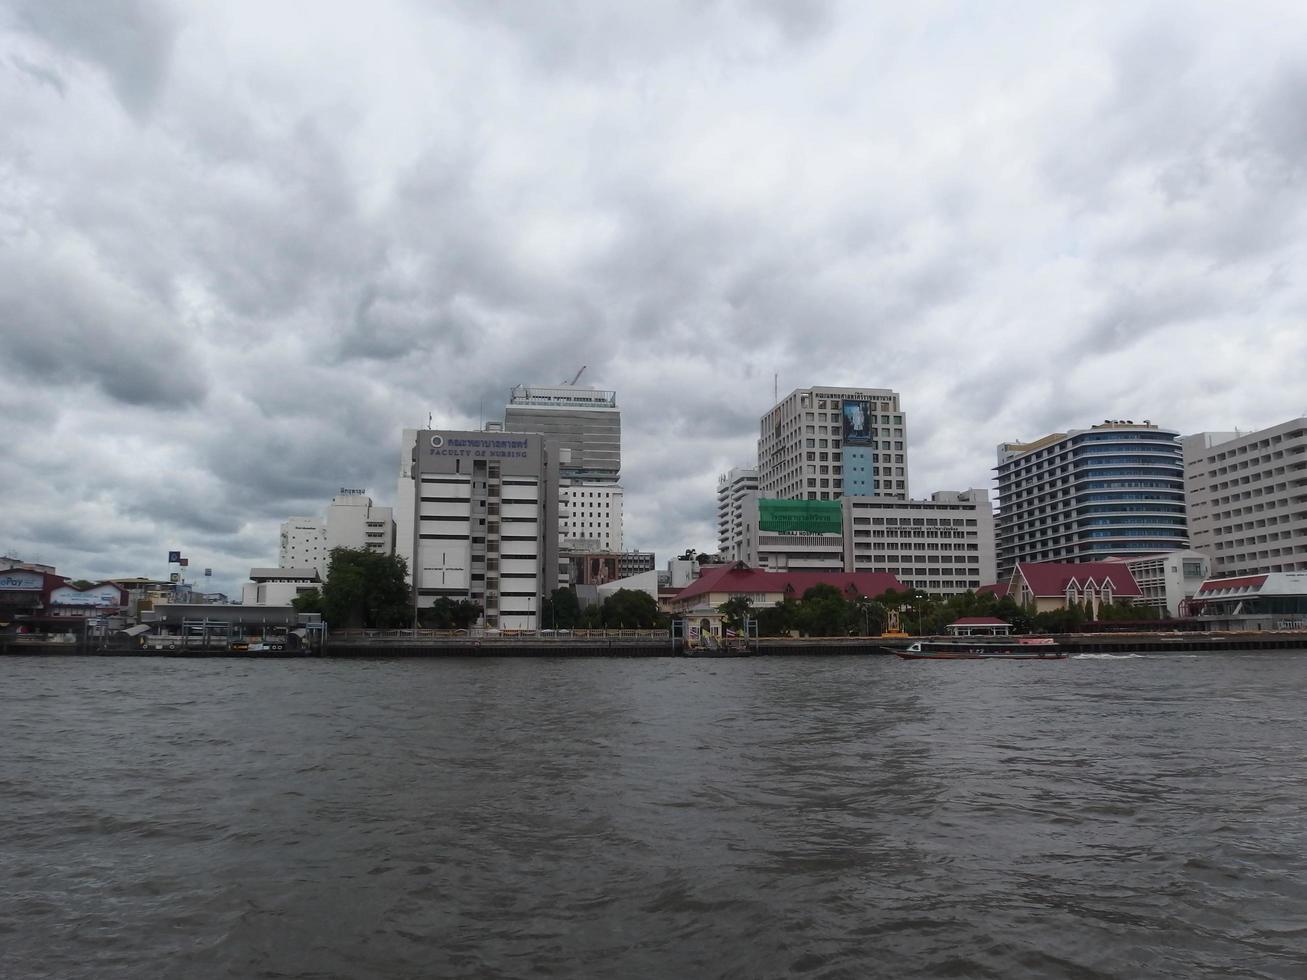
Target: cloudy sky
[[243, 244]]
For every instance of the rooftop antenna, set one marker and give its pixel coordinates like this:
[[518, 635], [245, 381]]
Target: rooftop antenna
[[775, 388], [576, 377]]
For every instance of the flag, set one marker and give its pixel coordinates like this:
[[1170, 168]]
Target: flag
[[183, 562]]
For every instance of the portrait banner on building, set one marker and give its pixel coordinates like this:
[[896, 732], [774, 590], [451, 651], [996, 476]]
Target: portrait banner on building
[[856, 418], [809, 516]]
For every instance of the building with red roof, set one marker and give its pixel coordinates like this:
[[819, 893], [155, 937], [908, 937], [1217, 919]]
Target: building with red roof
[[1050, 585]]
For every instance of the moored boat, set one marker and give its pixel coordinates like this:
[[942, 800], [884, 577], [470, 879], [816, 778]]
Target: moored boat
[[984, 648]]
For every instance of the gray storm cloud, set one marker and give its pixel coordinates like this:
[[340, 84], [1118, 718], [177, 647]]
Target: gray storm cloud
[[241, 248]]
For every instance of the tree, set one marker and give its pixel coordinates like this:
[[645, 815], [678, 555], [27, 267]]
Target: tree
[[823, 611], [560, 610], [778, 620], [735, 611], [631, 609], [365, 589], [309, 601]]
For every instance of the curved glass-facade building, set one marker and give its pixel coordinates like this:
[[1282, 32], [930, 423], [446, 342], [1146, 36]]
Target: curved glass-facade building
[[1113, 489]]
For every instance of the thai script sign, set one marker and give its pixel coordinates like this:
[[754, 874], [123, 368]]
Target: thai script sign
[[488, 447], [810, 516]]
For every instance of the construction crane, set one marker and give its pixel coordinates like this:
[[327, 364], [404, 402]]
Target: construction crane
[[577, 377]]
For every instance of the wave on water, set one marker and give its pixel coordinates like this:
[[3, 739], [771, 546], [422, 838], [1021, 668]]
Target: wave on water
[[1108, 656]]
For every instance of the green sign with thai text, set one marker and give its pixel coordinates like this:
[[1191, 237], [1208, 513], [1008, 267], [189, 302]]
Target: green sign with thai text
[[810, 516]]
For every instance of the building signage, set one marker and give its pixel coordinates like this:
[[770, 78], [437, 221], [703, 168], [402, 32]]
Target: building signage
[[21, 581], [856, 417], [487, 447], [174, 557], [810, 516], [68, 596]]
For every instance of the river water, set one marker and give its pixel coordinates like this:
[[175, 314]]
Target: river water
[[772, 817]]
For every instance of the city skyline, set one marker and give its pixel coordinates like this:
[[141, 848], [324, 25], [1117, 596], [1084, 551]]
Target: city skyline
[[241, 251]]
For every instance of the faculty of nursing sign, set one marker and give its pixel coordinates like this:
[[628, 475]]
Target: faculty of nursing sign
[[490, 447]]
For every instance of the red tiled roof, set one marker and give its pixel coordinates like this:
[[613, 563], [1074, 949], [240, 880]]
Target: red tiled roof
[[1050, 578], [998, 591], [727, 578], [979, 621], [1245, 582]]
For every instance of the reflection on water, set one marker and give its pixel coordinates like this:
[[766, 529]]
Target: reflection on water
[[838, 817]]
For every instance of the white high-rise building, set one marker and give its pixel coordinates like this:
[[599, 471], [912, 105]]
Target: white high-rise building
[[826, 443], [352, 522], [1247, 498], [481, 522], [734, 490], [303, 544], [591, 517]]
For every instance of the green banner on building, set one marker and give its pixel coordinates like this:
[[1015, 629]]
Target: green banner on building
[[810, 516]]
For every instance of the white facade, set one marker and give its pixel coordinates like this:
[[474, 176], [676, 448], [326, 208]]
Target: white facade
[[823, 443], [643, 582], [278, 586], [734, 489], [944, 545], [1247, 498], [303, 544], [590, 517], [352, 522], [1167, 580], [483, 521]]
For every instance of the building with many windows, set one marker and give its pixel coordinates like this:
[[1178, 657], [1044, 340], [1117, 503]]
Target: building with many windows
[[481, 521], [590, 517], [734, 490], [1112, 489], [1247, 498], [944, 545], [584, 423], [825, 443]]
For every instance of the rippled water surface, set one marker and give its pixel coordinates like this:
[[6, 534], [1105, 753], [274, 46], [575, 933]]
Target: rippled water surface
[[805, 817]]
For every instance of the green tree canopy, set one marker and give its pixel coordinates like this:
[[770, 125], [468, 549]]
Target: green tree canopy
[[365, 589], [561, 610], [631, 609], [823, 611]]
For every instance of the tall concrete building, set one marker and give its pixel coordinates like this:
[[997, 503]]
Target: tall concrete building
[[826, 443], [1247, 498], [734, 490], [1116, 488], [585, 423], [478, 519]]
